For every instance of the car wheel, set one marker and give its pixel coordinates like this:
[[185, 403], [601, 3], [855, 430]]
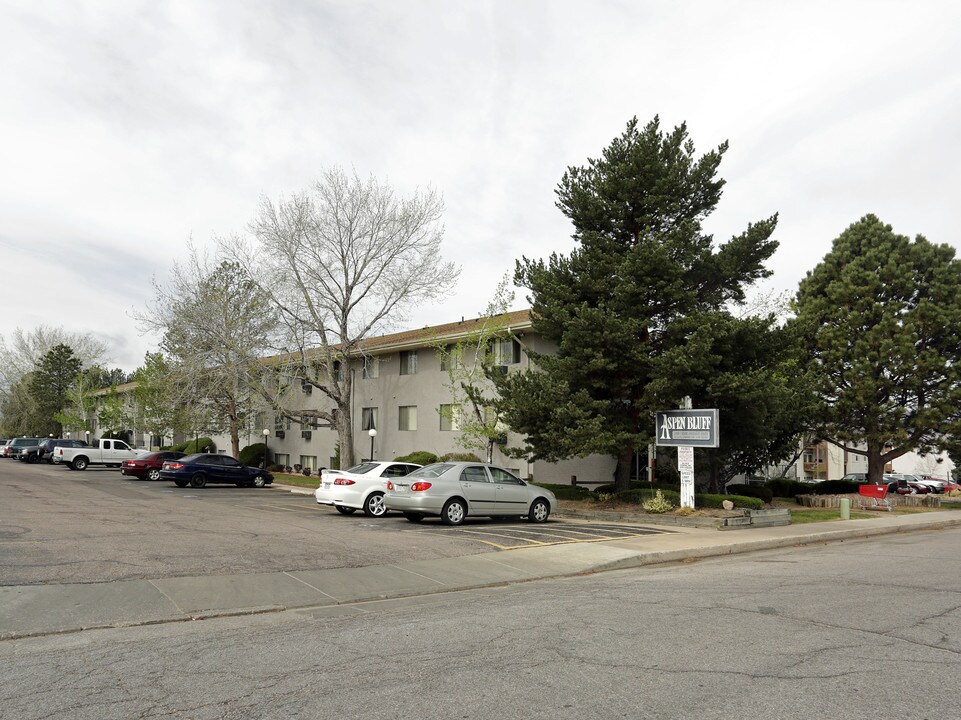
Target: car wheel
[[540, 510], [153, 474], [454, 512], [198, 480], [259, 481], [31, 459], [79, 463], [180, 483], [414, 517], [374, 505], [345, 510]]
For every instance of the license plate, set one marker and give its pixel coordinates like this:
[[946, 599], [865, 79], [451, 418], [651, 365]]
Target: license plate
[[326, 486]]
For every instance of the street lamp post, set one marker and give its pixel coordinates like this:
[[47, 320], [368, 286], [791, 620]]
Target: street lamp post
[[266, 433], [373, 433]]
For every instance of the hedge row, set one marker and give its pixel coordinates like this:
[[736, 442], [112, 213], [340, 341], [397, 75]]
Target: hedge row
[[757, 491], [567, 492]]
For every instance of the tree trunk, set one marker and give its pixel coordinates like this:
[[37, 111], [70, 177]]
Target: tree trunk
[[622, 473], [875, 464]]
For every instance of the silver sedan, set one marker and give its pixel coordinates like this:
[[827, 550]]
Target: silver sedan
[[455, 490]]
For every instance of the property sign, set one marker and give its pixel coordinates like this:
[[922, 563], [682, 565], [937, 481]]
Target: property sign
[[686, 428]]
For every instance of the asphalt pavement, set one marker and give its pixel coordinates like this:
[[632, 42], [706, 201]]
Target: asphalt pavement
[[36, 610]]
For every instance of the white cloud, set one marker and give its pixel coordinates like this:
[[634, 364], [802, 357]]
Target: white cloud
[[127, 127]]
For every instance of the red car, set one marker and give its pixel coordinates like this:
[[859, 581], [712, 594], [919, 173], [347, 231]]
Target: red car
[[148, 467]]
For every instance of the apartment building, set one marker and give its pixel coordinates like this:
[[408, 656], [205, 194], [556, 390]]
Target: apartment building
[[401, 391]]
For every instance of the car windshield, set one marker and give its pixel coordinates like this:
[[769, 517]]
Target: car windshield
[[431, 471], [362, 468]]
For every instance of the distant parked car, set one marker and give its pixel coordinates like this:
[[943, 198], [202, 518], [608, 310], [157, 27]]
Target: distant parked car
[[933, 486], [361, 487], [149, 466], [44, 449], [902, 486], [202, 468], [455, 490], [861, 478], [12, 448]]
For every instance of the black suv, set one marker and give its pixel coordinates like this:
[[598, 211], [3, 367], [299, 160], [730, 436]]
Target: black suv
[[44, 449]]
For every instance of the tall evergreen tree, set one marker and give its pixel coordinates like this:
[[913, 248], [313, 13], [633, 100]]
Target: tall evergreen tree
[[642, 263], [56, 372], [882, 317]]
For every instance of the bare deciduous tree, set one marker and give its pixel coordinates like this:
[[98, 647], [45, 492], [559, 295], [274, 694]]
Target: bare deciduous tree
[[216, 325], [341, 262]]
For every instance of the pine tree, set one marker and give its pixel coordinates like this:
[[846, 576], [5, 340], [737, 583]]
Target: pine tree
[[642, 263], [56, 372], [882, 317]]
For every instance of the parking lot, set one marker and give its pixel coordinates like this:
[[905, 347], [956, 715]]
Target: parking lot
[[63, 526]]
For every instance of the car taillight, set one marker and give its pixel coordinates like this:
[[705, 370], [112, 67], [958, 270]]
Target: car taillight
[[419, 486], [343, 481], [390, 485], [173, 465]]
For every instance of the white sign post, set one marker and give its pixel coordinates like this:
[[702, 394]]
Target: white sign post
[[685, 465]]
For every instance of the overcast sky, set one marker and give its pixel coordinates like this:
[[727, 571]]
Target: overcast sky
[[126, 128]]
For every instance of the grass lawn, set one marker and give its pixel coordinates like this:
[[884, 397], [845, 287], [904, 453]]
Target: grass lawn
[[807, 515], [299, 480]]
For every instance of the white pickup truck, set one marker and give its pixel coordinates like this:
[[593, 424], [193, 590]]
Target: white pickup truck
[[106, 452]]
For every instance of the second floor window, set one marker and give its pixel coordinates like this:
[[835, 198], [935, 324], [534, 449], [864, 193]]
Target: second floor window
[[506, 352], [408, 362], [371, 368], [368, 418]]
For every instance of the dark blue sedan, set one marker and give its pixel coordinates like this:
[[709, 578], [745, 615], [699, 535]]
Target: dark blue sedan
[[202, 468]]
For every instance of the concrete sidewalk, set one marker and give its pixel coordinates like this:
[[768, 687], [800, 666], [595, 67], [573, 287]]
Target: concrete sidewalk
[[34, 610]]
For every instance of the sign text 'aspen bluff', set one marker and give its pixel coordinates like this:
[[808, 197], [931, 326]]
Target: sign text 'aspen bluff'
[[692, 428]]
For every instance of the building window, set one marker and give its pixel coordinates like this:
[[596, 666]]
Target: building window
[[308, 461], [407, 415], [368, 418], [506, 352], [449, 358], [306, 387], [371, 368], [408, 362], [448, 417], [281, 423], [282, 459]]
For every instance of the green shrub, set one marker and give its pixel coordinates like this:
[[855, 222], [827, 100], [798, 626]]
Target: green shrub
[[786, 487], [567, 492], [715, 501], [639, 496], [758, 491], [658, 504], [418, 457], [196, 445], [179, 447], [833, 487], [252, 454], [460, 457]]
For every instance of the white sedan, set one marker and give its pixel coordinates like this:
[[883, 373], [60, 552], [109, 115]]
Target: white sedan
[[361, 487]]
